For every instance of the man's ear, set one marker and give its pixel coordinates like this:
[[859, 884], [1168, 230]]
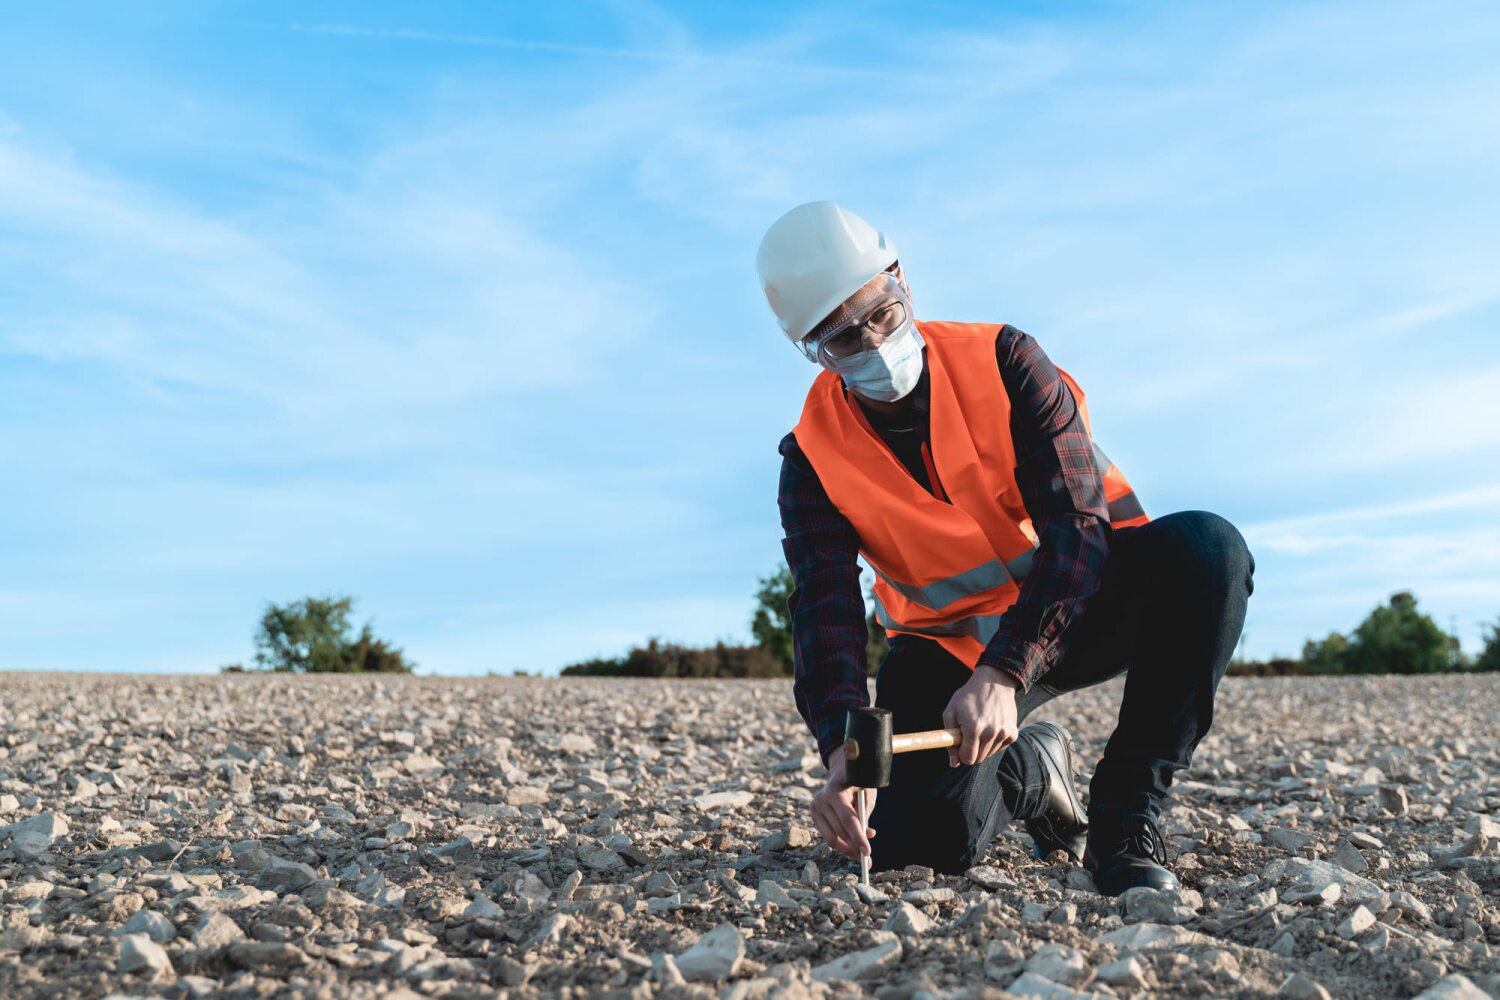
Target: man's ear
[[901, 277]]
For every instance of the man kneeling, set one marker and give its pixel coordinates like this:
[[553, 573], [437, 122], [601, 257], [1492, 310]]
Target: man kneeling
[[1012, 562]]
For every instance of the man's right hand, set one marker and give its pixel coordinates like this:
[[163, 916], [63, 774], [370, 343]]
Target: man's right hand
[[835, 814]]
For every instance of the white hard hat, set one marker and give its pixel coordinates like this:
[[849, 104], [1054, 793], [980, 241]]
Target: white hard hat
[[813, 258]]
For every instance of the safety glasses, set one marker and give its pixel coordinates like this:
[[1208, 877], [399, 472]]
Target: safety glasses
[[872, 323]]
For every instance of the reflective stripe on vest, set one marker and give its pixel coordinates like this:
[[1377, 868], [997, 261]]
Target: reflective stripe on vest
[[938, 594], [1124, 508], [978, 627]]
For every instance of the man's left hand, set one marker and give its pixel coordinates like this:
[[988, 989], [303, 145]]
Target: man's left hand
[[985, 709]]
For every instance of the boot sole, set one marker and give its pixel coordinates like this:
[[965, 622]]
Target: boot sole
[[1046, 839]]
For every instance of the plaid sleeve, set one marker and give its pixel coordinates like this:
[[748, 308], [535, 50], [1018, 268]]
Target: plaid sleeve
[[1064, 494], [827, 608]]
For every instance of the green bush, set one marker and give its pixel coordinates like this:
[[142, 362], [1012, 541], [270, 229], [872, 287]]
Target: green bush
[[1326, 656], [668, 659], [311, 636], [771, 624], [1396, 638]]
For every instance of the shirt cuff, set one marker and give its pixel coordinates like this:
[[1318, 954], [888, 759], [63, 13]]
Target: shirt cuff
[[1025, 661], [830, 734]]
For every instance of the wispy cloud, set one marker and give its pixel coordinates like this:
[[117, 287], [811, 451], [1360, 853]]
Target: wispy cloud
[[1483, 497]]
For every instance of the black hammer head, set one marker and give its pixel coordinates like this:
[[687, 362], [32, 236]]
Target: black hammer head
[[867, 747]]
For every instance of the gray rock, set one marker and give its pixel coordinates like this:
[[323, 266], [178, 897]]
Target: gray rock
[[375, 889], [574, 743], [161, 850], [1288, 840], [600, 858], [512, 973], [664, 971], [33, 836], [1484, 826], [138, 953], [924, 896], [1348, 857], [1029, 984], [1161, 906], [1127, 972], [1315, 894], [769, 893], [422, 765], [660, 884], [459, 847], [990, 877], [237, 897], [550, 932], [483, 906], [714, 956], [285, 876], [1358, 921], [267, 956], [1411, 907], [1355, 888], [723, 800], [1081, 879], [1141, 936], [1059, 964], [1472, 846], [150, 923], [1299, 986], [531, 892], [860, 964], [216, 930], [1379, 939], [1035, 911], [906, 919], [1453, 987]]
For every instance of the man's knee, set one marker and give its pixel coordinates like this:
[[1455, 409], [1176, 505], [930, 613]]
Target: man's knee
[[1202, 553]]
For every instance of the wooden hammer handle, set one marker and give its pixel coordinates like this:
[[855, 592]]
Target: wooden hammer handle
[[929, 740]]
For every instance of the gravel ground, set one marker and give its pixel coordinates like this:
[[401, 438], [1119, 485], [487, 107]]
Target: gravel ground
[[404, 837]]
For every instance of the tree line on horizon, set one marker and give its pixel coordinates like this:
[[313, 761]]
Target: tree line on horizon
[[1395, 638], [315, 635]]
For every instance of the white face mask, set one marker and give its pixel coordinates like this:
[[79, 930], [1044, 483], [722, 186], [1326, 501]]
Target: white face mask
[[890, 371]]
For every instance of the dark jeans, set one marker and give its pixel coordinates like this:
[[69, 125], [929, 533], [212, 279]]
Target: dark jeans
[[1168, 614]]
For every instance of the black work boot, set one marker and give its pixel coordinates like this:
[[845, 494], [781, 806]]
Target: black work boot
[[1057, 820], [1125, 850]]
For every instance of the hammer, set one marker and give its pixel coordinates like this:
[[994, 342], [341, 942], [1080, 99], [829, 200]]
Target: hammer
[[868, 746]]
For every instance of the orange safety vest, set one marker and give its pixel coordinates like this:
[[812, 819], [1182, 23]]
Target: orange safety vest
[[947, 565]]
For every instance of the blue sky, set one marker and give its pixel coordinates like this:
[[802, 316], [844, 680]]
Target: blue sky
[[454, 309]]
